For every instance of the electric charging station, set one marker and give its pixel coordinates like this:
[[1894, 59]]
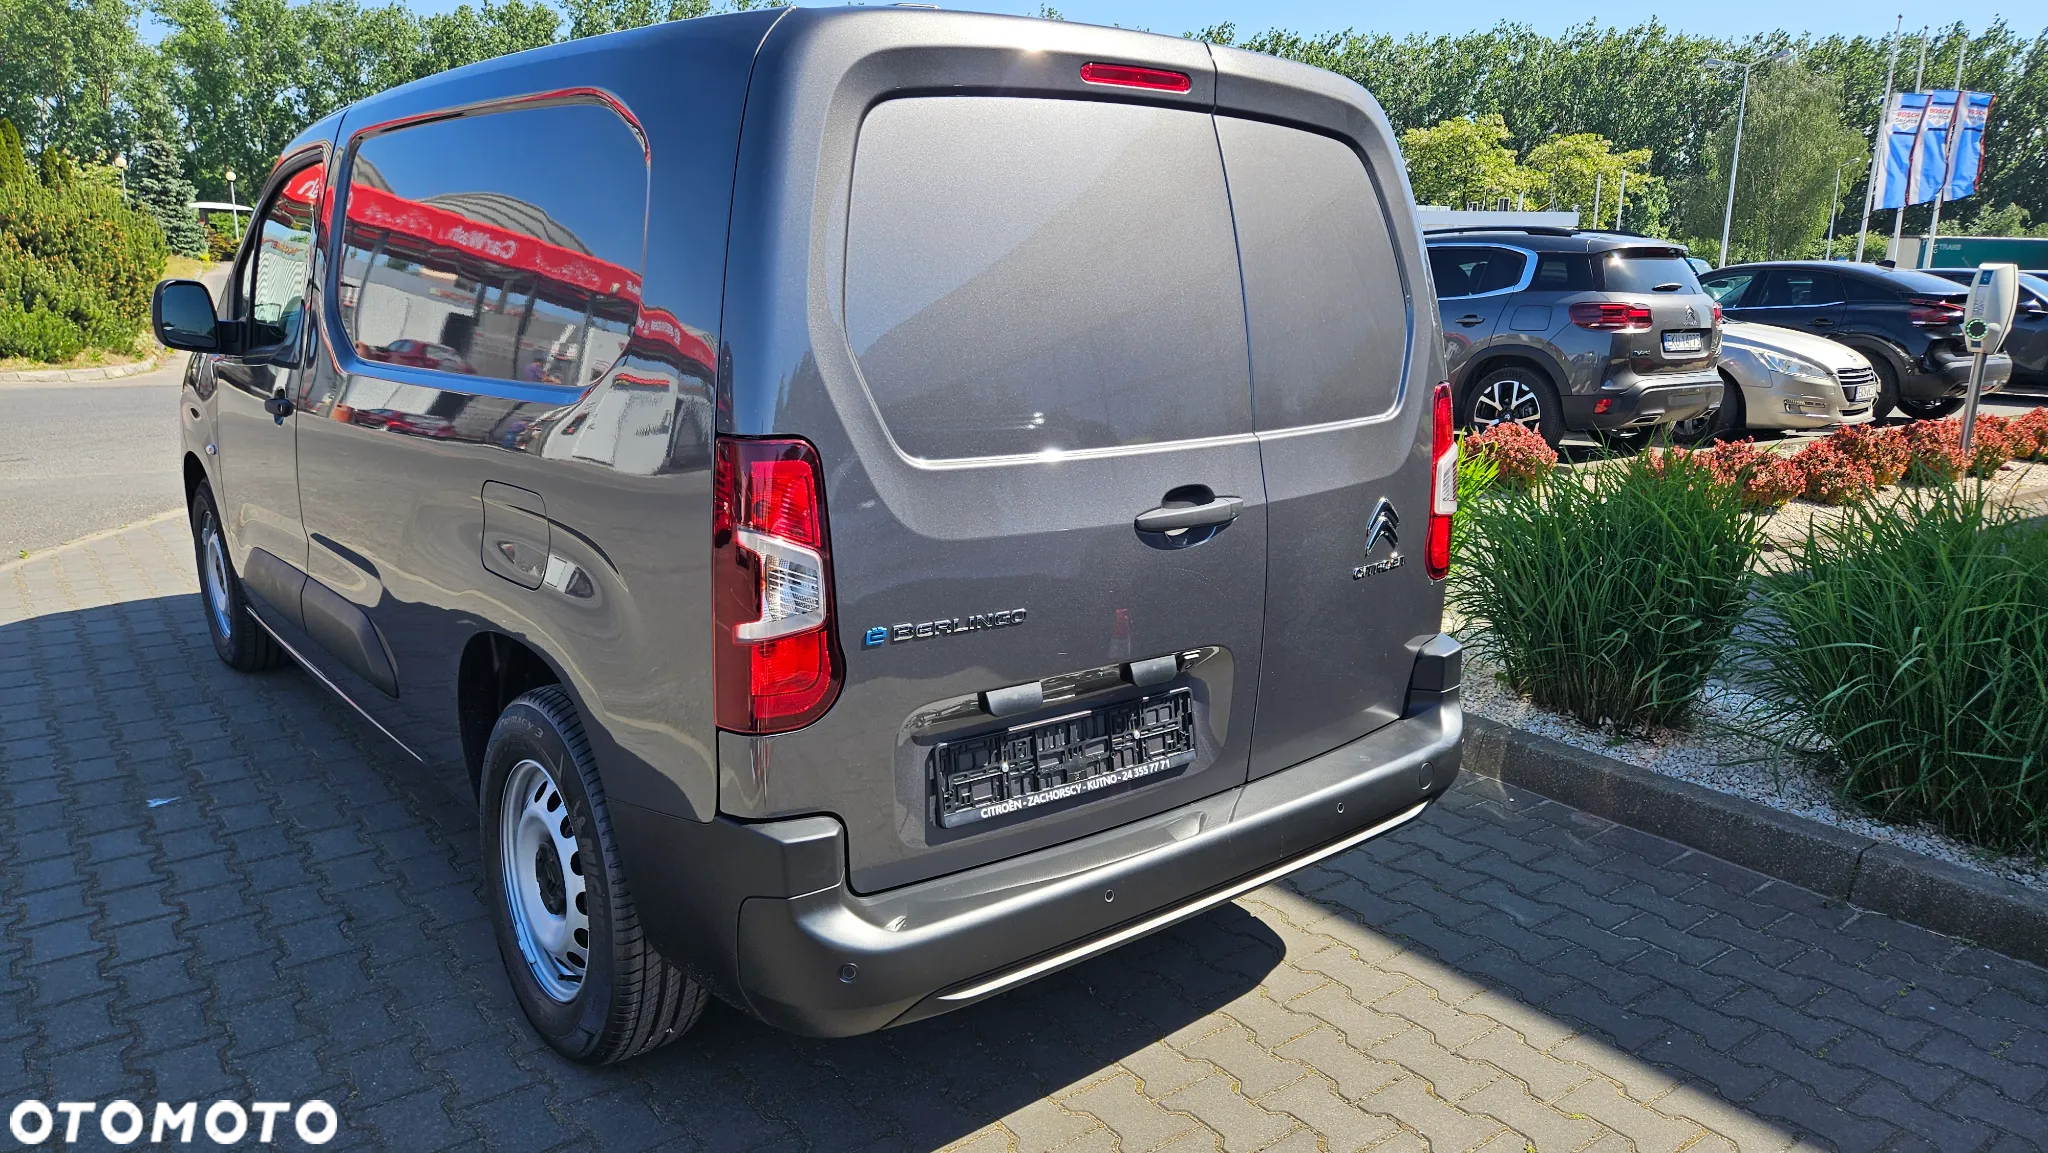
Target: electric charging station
[[1994, 297]]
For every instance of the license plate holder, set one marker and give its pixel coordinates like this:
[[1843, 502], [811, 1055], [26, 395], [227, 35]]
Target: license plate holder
[[1685, 342], [1080, 756]]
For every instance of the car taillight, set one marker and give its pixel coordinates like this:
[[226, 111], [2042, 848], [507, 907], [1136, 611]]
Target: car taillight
[[1717, 316], [774, 664], [1611, 316], [1443, 494], [1933, 312]]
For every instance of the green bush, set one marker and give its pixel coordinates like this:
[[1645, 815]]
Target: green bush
[[70, 248], [38, 335], [1609, 595], [1910, 640]]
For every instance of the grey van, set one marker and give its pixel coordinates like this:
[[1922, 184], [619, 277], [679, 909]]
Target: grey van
[[886, 504]]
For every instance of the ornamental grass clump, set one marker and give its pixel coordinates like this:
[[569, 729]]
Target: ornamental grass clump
[[1880, 449], [1611, 597], [1909, 640], [1520, 457], [1833, 476]]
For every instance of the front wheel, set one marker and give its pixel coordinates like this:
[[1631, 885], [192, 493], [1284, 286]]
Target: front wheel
[[570, 938], [1515, 396], [240, 642]]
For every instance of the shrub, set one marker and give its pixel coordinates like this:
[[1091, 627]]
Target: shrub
[[38, 335], [1991, 444], [1520, 456], [1936, 452], [1833, 476], [2029, 435], [71, 248], [1910, 641], [1609, 600], [1764, 479], [1883, 450]]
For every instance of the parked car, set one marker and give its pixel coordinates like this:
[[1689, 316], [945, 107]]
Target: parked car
[[943, 657], [2027, 344], [1907, 324], [1779, 378], [1561, 330]]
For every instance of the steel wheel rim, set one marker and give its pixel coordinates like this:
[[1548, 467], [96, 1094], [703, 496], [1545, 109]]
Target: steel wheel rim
[[1690, 427], [543, 880], [214, 568], [1506, 401]]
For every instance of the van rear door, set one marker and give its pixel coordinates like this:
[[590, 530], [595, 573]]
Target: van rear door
[[1342, 416], [1046, 510]]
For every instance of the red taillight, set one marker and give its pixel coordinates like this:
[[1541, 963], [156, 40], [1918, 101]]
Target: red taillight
[[1933, 312], [1443, 471], [774, 665], [1717, 316], [1611, 316], [1132, 76]]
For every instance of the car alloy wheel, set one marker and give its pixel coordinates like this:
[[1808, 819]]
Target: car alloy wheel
[[543, 881], [1507, 400]]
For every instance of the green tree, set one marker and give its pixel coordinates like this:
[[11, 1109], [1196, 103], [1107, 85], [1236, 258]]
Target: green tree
[[13, 163], [1580, 169], [597, 17], [72, 73], [156, 179], [1792, 140], [1462, 160]]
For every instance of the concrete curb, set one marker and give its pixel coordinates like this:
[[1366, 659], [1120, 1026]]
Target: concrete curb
[[69, 375], [1870, 874]]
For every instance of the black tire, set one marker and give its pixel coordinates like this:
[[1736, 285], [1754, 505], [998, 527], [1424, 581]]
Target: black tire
[[1887, 384], [1930, 409], [243, 644], [1523, 395], [625, 998], [1730, 418]]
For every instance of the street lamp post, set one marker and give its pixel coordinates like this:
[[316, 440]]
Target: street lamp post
[[121, 166], [230, 174], [1716, 65], [1835, 204]]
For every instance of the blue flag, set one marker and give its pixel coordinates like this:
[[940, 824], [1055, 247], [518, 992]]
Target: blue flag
[[1892, 165], [1969, 146], [1930, 159]]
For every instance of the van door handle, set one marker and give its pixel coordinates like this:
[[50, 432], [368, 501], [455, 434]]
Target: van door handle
[[278, 406], [1219, 511], [1470, 319]]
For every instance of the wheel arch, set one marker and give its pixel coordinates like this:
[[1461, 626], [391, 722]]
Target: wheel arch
[[1489, 363], [195, 475], [495, 670]]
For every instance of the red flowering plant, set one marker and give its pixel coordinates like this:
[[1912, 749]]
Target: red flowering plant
[[1521, 457], [2029, 435], [1833, 476], [1992, 444], [1882, 450], [1936, 448], [1766, 479]]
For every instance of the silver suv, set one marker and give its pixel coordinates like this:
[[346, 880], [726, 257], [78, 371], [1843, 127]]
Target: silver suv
[[893, 503], [1561, 331]]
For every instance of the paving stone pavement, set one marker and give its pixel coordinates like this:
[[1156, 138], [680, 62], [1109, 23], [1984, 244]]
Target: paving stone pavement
[[218, 886]]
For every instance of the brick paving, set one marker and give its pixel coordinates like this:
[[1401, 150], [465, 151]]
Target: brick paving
[[223, 886]]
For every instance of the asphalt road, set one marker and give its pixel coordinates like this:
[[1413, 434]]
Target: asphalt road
[[79, 458]]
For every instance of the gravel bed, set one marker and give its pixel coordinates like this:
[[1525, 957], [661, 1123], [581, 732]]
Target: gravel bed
[[1715, 756]]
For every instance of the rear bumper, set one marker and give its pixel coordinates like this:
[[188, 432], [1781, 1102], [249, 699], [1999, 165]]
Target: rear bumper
[[1627, 400], [832, 962], [1950, 376]]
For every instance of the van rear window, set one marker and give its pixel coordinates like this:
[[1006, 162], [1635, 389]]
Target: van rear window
[[1030, 275]]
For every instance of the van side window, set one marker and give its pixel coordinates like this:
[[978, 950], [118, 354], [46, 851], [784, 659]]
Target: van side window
[[1324, 303], [1028, 275], [505, 245], [274, 280]]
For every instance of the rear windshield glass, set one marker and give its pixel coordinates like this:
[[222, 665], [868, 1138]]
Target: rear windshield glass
[[1656, 270], [1923, 283], [1025, 276]]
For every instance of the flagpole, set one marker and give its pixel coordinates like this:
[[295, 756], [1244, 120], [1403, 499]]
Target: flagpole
[[1912, 157], [1948, 170], [1879, 146]]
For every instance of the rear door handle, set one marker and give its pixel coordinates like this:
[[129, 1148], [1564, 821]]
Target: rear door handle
[[1470, 319], [1821, 322], [1219, 511]]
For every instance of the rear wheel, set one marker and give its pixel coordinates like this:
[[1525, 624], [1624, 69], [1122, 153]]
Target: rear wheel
[[1515, 395], [237, 638], [1930, 409], [570, 938]]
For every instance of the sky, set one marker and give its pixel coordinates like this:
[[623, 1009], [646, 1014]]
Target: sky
[[1716, 17]]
